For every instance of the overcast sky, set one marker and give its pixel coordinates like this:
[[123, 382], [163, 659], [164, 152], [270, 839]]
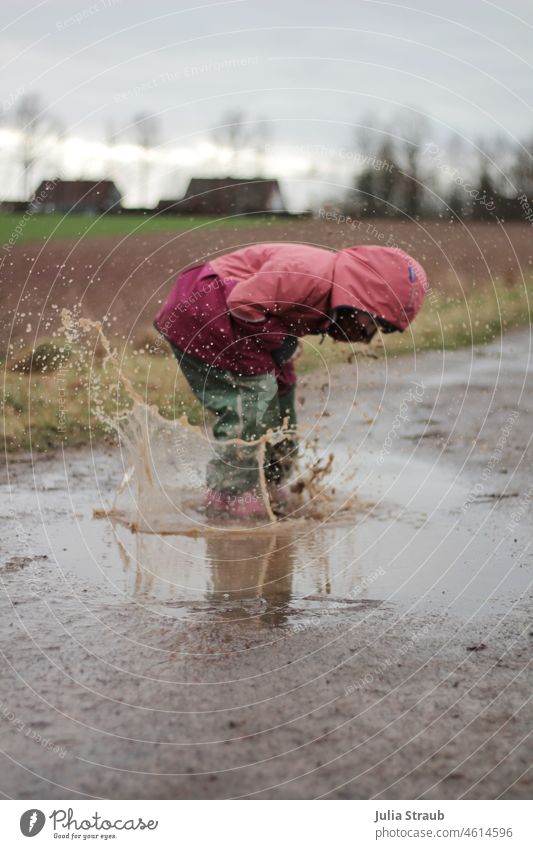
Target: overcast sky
[[313, 69]]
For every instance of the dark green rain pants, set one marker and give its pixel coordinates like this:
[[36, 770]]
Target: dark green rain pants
[[244, 408]]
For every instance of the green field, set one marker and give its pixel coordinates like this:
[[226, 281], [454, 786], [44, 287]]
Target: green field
[[39, 228]]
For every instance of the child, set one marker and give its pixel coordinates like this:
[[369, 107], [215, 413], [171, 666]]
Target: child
[[234, 325]]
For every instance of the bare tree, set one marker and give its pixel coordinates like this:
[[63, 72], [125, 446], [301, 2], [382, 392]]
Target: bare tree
[[522, 167], [232, 133], [260, 140], [111, 134], [497, 156], [369, 135], [414, 132], [33, 123], [147, 132], [377, 185]]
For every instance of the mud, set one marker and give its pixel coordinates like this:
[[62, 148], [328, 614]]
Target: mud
[[337, 657]]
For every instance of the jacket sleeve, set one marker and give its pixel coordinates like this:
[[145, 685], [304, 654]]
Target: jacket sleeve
[[265, 292], [270, 333]]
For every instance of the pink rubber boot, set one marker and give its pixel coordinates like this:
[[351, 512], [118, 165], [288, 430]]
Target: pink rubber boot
[[215, 501], [247, 505]]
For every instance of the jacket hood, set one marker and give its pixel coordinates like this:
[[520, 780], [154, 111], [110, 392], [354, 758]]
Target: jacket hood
[[385, 282]]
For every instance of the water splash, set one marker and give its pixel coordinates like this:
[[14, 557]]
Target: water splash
[[165, 460]]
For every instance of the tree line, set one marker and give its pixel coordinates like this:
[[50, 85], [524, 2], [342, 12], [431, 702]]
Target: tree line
[[403, 168], [405, 172]]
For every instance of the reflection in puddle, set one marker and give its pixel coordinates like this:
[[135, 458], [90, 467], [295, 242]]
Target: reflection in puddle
[[272, 575], [408, 543], [382, 555]]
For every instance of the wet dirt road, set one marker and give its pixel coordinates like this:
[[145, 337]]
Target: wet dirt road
[[382, 652]]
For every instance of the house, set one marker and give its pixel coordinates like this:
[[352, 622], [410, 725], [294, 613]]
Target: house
[[227, 196], [88, 196]]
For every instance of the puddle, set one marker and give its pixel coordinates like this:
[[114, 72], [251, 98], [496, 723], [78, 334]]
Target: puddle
[[407, 543], [406, 539]]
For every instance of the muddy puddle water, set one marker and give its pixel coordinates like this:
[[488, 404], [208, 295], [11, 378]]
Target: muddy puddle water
[[407, 542], [402, 533]]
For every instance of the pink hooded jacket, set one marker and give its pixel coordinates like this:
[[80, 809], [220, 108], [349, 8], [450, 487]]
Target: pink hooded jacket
[[236, 310]]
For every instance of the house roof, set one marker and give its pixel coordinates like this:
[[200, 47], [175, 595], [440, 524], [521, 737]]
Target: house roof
[[226, 194], [76, 192]]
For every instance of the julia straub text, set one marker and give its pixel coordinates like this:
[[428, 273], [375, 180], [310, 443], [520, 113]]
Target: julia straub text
[[389, 815]]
